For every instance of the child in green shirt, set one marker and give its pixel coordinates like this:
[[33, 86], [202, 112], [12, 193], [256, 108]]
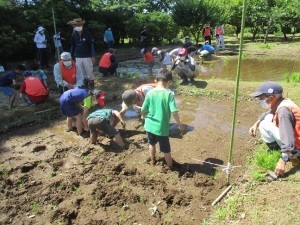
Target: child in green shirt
[[157, 109]]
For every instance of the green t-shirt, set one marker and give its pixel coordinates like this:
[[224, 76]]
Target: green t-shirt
[[103, 113], [159, 104], [87, 102]]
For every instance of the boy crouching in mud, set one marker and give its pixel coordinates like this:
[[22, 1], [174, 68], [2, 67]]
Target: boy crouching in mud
[[105, 120], [157, 109]]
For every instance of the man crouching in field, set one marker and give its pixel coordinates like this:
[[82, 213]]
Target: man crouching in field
[[280, 125]]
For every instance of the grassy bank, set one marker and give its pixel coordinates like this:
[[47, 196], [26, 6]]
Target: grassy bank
[[252, 201]]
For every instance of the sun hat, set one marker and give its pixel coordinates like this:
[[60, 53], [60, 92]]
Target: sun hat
[[65, 56], [41, 29], [128, 97], [182, 51], [154, 49], [77, 21], [268, 87]]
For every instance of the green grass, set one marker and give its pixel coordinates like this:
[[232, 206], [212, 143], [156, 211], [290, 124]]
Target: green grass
[[3, 173], [292, 77], [35, 208], [266, 160], [264, 46], [262, 161], [130, 75]]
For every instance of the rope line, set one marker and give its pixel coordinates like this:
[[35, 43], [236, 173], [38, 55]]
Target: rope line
[[225, 168]]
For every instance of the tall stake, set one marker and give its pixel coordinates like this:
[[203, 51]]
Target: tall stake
[[236, 91], [57, 48]]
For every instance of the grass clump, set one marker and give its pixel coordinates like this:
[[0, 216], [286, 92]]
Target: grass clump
[[130, 75], [263, 161], [292, 77], [267, 160], [264, 46]]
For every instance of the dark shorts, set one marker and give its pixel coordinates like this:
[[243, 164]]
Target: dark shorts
[[69, 109], [8, 91], [164, 142], [98, 123], [151, 64]]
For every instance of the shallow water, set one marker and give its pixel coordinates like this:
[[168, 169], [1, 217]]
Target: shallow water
[[252, 69]]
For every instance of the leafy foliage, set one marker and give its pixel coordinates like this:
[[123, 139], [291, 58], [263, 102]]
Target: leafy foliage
[[191, 15]]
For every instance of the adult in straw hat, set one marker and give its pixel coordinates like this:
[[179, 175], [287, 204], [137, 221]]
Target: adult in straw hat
[[82, 48]]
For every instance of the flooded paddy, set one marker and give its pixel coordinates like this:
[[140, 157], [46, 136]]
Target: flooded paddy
[[252, 69]]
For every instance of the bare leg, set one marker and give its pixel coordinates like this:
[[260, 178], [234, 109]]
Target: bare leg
[[119, 140], [93, 137], [152, 153], [150, 71], [12, 100], [168, 159], [79, 123], [69, 123]]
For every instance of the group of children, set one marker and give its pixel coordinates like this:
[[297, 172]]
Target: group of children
[[154, 102], [33, 89]]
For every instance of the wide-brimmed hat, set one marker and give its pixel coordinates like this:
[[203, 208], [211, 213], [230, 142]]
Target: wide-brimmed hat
[[77, 21], [40, 29], [268, 87]]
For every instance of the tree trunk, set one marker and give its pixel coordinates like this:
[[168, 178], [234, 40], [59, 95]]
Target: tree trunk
[[254, 34], [268, 28]]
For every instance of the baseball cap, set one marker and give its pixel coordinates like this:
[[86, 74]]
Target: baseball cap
[[128, 97], [65, 56], [268, 87]]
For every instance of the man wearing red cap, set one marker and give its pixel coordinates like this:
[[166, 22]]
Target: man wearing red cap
[[185, 67], [279, 127]]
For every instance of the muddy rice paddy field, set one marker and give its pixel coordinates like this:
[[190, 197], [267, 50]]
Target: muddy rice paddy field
[[50, 176]]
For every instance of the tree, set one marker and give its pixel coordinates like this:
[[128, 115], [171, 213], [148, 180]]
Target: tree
[[256, 16], [233, 14], [191, 15], [287, 15]]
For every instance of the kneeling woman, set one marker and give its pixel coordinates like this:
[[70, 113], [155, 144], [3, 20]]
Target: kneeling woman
[[75, 101]]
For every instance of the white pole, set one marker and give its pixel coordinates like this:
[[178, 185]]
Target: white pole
[[221, 195]]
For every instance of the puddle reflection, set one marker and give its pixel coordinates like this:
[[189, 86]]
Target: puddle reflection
[[252, 69]]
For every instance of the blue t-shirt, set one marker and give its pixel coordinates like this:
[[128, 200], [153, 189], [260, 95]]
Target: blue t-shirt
[[74, 96], [108, 35], [208, 48], [7, 78]]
